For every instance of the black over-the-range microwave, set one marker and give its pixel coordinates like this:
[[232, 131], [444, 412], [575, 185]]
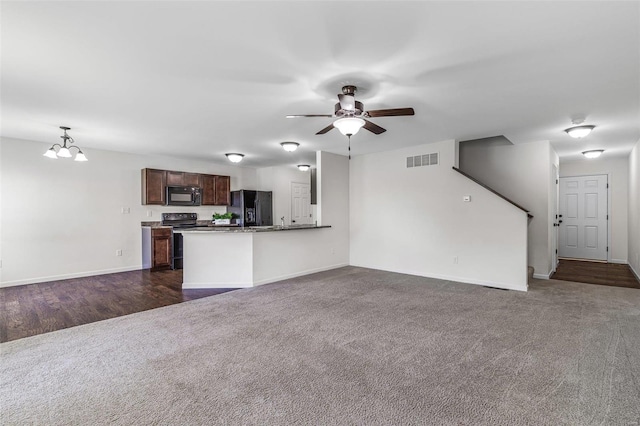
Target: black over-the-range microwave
[[183, 196]]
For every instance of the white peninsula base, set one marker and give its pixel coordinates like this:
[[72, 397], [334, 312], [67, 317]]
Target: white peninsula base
[[247, 259]]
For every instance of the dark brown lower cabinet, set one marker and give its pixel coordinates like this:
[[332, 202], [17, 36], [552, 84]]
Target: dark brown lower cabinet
[[161, 248]]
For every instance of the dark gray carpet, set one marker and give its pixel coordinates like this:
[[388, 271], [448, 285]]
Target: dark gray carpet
[[349, 346]]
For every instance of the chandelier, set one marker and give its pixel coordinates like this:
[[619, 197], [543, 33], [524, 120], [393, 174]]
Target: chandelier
[[64, 151]]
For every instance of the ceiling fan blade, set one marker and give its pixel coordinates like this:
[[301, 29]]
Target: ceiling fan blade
[[325, 130], [374, 128], [347, 102], [310, 115], [394, 112]]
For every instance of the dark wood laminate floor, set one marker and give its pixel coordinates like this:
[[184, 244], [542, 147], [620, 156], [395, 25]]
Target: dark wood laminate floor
[[612, 274], [41, 308]]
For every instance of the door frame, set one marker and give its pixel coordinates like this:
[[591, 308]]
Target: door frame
[[555, 179], [609, 216]]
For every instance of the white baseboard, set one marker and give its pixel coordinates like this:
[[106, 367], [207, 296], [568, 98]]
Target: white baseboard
[[542, 276], [68, 276], [247, 284], [464, 280], [195, 286], [622, 261], [634, 272], [299, 274]]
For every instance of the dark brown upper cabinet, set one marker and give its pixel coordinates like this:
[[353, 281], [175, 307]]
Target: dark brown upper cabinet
[[223, 191], [153, 184], [183, 179], [216, 190], [208, 190]]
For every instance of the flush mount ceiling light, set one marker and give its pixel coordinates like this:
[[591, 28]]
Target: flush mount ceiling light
[[349, 126], [64, 151], [234, 157], [594, 153], [579, 131], [303, 167], [289, 146]]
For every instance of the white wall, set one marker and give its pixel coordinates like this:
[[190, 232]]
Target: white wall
[[333, 203], [618, 170], [634, 210], [522, 173], [278, 180], [62, 219], [414, 220]]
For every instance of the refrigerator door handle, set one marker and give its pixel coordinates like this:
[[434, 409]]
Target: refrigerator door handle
[[258, 215]]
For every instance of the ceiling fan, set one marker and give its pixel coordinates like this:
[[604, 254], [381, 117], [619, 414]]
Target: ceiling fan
[[352, 115]]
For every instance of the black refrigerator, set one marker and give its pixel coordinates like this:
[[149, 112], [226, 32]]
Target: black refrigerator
[[252, 208]]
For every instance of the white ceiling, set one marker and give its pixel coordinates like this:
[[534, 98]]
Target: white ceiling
[[198, 79]]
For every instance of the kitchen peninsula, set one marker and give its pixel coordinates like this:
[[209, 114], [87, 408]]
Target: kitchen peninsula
[[247, 257]]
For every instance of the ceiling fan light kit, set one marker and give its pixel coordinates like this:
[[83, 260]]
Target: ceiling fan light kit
[[579, 131], [352, 114], [289, 146], [593, 153], [235, 157], [349, 125], [64, 151]]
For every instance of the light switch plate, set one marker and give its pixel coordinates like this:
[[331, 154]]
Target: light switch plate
[[466, 198]]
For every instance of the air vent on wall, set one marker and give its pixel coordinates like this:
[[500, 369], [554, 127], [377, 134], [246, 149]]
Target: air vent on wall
[[423, 160]]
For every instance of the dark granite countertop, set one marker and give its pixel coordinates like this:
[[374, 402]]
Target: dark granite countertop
[[229, 229]]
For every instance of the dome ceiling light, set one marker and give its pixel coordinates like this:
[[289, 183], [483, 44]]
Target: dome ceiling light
[[303, 167], [594, 153], [234, 157], [289, 146], [579, 131]]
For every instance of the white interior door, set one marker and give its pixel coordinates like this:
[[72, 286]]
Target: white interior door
[[555, 182], [300, 203], [583, 217]]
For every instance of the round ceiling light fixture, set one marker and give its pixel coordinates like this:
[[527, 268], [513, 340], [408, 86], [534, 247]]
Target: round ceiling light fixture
[[234, 157], [303, 167], [594, 153], [579, 131], [289, 146], [349, 126]]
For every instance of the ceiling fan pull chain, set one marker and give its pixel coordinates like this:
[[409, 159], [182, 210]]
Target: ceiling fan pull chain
[[349, 137]]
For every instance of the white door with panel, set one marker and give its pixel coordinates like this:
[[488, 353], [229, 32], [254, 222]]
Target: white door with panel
[[300, 203], [583, 217], [555, 200]]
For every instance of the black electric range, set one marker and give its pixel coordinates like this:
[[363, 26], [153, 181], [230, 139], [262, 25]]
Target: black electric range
[[179, 221]]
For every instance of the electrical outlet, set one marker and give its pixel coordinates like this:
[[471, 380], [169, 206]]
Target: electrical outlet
[[333, 251], [118, 252], [455, 260], [149, 213], [125, 210]]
